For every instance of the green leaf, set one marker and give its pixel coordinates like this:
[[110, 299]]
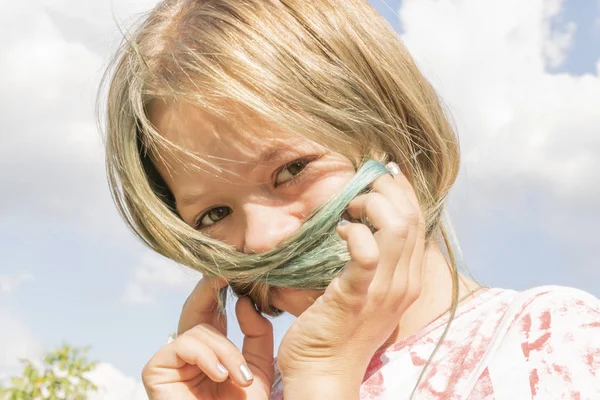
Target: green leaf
[[72, 363]]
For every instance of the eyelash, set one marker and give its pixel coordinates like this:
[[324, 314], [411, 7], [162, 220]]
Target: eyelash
[[306, 160]]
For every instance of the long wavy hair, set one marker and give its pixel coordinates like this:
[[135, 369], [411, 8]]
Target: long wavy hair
[[333, 71]]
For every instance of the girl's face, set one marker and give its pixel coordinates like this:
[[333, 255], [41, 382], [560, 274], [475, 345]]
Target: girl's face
[[269, 182]]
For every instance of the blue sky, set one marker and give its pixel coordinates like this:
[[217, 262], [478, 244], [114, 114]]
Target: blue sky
[[524, 207]]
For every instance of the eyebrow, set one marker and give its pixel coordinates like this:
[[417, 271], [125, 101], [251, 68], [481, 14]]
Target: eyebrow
[[189, 199], [271, 155], [266, 157]]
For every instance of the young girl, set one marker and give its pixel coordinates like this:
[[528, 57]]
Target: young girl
[[241, 137]]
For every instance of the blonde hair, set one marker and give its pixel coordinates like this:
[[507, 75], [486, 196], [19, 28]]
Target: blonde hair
[[333, 71]]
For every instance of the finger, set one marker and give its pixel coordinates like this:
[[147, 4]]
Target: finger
[[391, 233], [189, 349], [258, 336], [401, 192], [401, 278], [358, 273], [404, 183], [416, 241], [229, 355], [415, 269], [397, 192], [201, 306]]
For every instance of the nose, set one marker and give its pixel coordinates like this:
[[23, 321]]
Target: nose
[[266, 227]]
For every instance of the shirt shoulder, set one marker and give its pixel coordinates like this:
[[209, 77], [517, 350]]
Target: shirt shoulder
[[546, 346], [540, 343], [561, 299]]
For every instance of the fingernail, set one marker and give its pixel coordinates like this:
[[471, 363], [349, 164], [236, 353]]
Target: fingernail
[[393, 168], [343, 222], [246, 373], [222, 369]]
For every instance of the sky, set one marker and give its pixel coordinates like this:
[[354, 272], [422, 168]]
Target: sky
[[521, 81]]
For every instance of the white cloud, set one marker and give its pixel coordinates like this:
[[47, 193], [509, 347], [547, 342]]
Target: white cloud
[[53, 55], [114, 385], [136, 294], [51, 151], [16, 341], [155, 274], [557, 40], [520, 125], [10, 283]]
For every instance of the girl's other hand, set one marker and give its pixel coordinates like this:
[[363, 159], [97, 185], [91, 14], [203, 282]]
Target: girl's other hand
[[336, 337], [201, 363]]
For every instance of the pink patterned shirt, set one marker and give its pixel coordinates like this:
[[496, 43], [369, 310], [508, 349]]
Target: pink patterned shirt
[[542, 343]]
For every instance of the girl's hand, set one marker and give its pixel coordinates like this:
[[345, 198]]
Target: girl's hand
[[334, 340], [203, 364]]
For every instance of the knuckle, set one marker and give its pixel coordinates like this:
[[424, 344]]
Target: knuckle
[[377, 197], [182, 342], [377, 201], [412, 218], [266, 325], [368, 261], [401, 285], [398, 228], [199, 332], [366, 258], [412, 293], [378, 294], [222, 345], [357, 203]]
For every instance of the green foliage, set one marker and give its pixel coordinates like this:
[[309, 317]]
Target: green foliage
[[62, 376]]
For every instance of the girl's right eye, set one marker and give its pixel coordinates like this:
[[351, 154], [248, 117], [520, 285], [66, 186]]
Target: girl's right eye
[[212, 216]]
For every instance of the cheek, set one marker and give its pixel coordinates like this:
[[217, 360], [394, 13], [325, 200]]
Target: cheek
[[321, 191], [294, 301]]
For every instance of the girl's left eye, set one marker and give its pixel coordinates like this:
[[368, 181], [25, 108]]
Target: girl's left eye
[[291, 170]]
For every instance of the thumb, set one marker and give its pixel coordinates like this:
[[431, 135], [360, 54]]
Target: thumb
[[258, 337], [201, 306]]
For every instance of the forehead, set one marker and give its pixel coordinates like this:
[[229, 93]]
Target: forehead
[[245, 138]]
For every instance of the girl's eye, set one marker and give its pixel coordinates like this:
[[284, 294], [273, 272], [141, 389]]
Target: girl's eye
[[212, 216], [289, 171]]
